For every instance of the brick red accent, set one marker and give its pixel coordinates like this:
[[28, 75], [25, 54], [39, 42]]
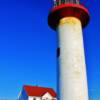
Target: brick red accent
[[38, 91], [68, 10]]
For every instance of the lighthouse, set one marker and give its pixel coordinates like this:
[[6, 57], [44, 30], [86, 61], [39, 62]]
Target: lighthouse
[[68, 18]]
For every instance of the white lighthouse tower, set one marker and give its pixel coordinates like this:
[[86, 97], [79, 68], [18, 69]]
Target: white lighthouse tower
[[68, 18]]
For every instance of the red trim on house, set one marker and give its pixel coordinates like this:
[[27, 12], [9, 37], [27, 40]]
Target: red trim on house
[[38, 91], [68, 10]]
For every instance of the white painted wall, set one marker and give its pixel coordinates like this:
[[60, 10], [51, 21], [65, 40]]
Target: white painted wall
[[32, 98], [73, 81], [45, 96]]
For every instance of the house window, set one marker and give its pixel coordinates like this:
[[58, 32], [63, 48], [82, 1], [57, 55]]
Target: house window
[[34, 98]]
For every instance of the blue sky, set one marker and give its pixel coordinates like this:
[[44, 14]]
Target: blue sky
[[28, 46]]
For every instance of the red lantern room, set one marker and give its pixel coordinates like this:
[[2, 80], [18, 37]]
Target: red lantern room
[[67, 8]]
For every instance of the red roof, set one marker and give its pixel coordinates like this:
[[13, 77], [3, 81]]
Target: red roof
[[38, 91]]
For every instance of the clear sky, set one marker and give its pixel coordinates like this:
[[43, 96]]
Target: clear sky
[[28, 47]]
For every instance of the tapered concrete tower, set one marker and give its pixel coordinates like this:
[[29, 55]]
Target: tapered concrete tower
[[68, 18]]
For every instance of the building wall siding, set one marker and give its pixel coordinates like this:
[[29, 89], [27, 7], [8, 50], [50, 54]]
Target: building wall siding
[[32, 98], [23, 95]]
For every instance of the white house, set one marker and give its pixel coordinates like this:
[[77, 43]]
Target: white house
[[37, 93]]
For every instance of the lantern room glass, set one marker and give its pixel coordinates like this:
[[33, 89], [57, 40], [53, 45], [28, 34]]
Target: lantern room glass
[[59, 2]]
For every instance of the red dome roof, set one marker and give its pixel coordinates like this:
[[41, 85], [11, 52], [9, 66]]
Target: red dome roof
[[68, 10]]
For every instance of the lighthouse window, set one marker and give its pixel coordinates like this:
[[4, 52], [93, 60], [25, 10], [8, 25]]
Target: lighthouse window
[[62, 1]]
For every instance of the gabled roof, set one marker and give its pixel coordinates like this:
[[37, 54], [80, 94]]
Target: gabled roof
[[38, 91]]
